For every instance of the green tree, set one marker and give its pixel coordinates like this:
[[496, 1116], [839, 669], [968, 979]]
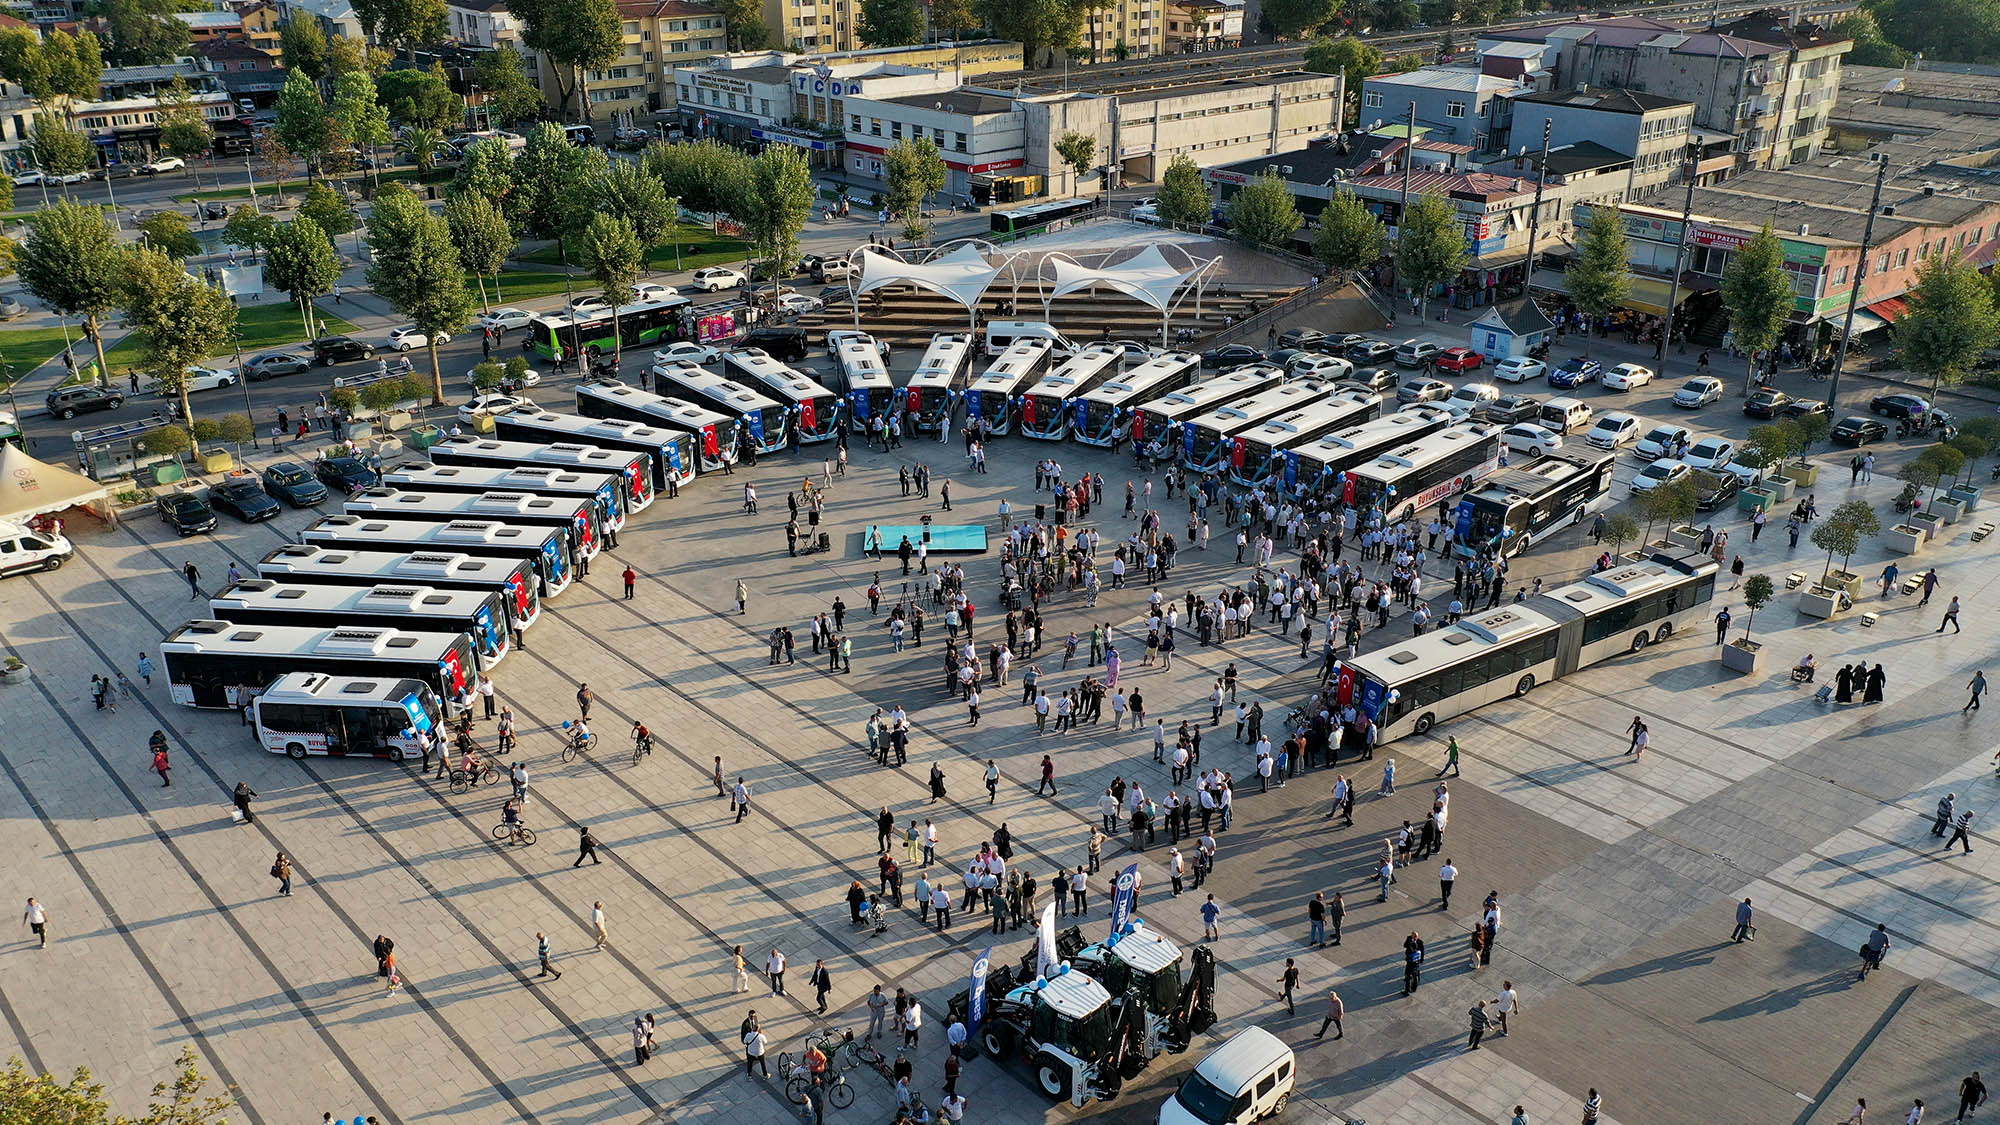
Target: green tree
[[421, 144], [299, 262], [329, 210], [302, 120], [1951, 321], [611, 247], [53, 67], [502, 77], [891, 23], [1758, 294], [576, 37], [1079, 151], [180, 320], [275, 159], [1184, 197], [1619, 529], [167, 232], [555, 186], [1757, 593], [952, 17], [1598, 277], [1871, 47], [486, 170], [347, 55], [184, 132], [417, 271], [744, 28], [143, 32], [1347, 56], [1262, 212], [1295, 19], [1431, 249], [1945, 30], [1770, 444], [778, 198], [1039, 26], [404, 23], [419, 98], [913, 170], [1673, 502], [629, 193], [304, 47], [59, 149], [1350, 238], [72, 262], [484, 240], [705, 176], [1842, 531], [362, 118]]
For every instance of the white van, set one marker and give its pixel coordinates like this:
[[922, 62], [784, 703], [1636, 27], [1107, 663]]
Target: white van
[[23, 550], [1565, 415], [1004, 334], [1247, 1078]]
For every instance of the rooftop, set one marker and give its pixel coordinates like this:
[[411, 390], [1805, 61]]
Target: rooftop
[[1607, 101], [1321, 164], [1446, 78], [966, 101], [1484, 187], [220, 49], [211, 20], [1632, 32], [1262, 81]]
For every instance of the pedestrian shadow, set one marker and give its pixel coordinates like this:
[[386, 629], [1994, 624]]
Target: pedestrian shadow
[[1778, 1000], [1695, 958]]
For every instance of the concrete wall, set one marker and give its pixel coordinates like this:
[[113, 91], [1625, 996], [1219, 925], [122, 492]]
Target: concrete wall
[[1217, 126]]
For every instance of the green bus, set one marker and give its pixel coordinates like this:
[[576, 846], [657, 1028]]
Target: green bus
[[563, 335]]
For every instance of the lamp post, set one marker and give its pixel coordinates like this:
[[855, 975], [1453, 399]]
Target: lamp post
[[1860, 271], [1403, 205], [1535, 216], [1680, 252]]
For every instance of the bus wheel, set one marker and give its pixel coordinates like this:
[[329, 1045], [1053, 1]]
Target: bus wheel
[[1425, 722], [593, 351], [297, 750], [1525, 684], [1639, 640], [399, 754], [1661, 634]]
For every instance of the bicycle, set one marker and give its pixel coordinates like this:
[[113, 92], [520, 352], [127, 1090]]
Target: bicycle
[[642, 746], [463, 780], [578, 746], [838, 1090], [514, 833]]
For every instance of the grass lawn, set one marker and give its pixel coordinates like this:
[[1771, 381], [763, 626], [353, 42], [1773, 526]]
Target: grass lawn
[[272, 325], [526, 285], [705, 249], [296, 187]]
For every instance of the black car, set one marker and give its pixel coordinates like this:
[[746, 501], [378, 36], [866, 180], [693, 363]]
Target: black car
[[1713, 488], [186, 512], [1801, 407], [1766, 403], [1372, 351], [1897, 406], [347, 474], [329, 350], [1338, 345], [1382, 379], [240, 497], [270, 365], [1283, 357], [779, 343], [68, 402], [1308, 338], [1509, 409], [1858, 430], [1231, 355], [289, 481]]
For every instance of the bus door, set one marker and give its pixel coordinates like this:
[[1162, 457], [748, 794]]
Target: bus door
[[1569, 646]]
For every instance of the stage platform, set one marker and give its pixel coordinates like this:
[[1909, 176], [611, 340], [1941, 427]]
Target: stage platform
[[945, 538]]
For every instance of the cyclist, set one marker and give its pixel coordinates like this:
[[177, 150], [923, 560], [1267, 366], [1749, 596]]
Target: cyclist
[[469, 762], [642, 739], [510, 815], [579, 734]]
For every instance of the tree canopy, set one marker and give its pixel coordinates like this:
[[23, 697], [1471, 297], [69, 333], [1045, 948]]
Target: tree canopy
[[1945, 30], [1262, 212], [304, 47], [1349, 238], [1294, 19], [421, 98], [27, 1098], [1758, 294], [891, 23], [778, 198], [1430, 249], [302, 120], [299, 262], [1347, 56], [576, 36], [1598, 276], [180, 320], [1184, 196], [72, 261], [1951, 321], [502, 77], [143, 32], [416, 269], [914, 169], [705, 176], [1039, 26], [54, 68]]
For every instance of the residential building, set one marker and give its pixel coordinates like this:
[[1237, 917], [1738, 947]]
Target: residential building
[[814, 25], [659, 37], [1203, 25], [206, 25], [1453, 103], [483, 23], [252, 77], [1652, 131], [336, 18], [125, 114], [264, 28], [1124, 29], [977, 131]]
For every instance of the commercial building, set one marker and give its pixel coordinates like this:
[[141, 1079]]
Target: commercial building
[[1650, 130], [251, 77], [1453, 104], [1203, 25], [204, 26]]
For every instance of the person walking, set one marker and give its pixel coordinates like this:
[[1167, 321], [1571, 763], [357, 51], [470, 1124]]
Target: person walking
[[583, 699], [542, 955], [742, 598], [1335, 1012], [586, 848], [774, 972], [1960, 830], [1450, 759], [1506, 1004], [1048, 777], [281, 870], [36, 918], [1289, 980], [739, 799], [242, 800], [822, 983], [1593, 1107], [597, 924], [755, 1042], [1480, 1022], [1971, 1095], [1977, 686], [1746, 928], [161, 766], [1447, 875], [192, 573], [1316, 920], [145, 669], [1950, 616], [631, 580]]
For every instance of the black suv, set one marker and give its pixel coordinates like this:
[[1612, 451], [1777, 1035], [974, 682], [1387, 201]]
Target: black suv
[[293, 484], [241, 497], [329, 350], [68, 402], [778, 343], [185, 512]]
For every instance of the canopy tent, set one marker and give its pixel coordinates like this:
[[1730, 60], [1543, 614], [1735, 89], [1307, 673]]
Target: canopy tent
[[28, 487], [1147, 277], [959, 271]]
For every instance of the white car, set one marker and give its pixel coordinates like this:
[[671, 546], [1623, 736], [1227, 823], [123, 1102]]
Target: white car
[[1710, 453], [483, 405], [1698, 391], [799, 303], [31, 176], [409, 337], [529, 378], [1533, 440], [1519, 369], [1660, 441], [1750, 475], [686, 351], [76, 177], [839, 336], [1470, 397], [1666, 470], [507, 318], [587, 306], [1317, 365], [649, 291], [1626, 376], [1145, 209], [203, 379], [1613, 430], [163, 164], [714, 279]]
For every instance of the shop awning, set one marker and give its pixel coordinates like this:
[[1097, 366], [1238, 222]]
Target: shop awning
[[1891, 309], [1650, 295], [1865, 321]]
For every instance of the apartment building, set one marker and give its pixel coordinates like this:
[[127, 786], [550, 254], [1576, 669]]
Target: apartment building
[[814, 25], [1203, 25], [1125, 29], [1452, 103], [658, 37], [264, 28], [483, 23], [1650, 130]]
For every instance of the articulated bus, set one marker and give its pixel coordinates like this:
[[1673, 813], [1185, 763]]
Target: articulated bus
[[684, 438], [1517, 508], [606, 490], [1156, 429], [1424, 472], [224, 664], [1411, 686], [1305, 467], [1104, 416], [576, 515], [1253, 452], [420, 609], [560, 335], [815, 410], [767, 424], [635, 469], [331, 566], [544, 548], [305, 713], [933, 390], [864, 379], [1045, 409], [996, 395], [1208, 440]]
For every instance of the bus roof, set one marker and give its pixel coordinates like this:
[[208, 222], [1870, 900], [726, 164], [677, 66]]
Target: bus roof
[[388, 500], [1525, 482], [1263, 404], [531, 477], [1426, 450], [568, 453], [299, 640], [863, 363], [1205, 394], [614, 428], [308, 558], [449, 531], [759, 365], [426, 601], [565, 320], [319, 687], [1074, 372], [1144, 377], [1384, 431], [701, 380], [1013, 365], [1441, 648], [943, 360], [1275, 432]]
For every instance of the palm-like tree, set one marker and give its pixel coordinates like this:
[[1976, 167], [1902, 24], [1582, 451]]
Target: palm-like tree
[[421, 144]]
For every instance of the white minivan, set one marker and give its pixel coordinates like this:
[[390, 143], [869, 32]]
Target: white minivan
[[24, 550], [1247, 1078]]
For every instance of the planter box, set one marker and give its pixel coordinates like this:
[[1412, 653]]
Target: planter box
[[164, 472], [1966, 495], [219, 462], [1780, 488], [423, 437], [1845, 580], [1904, 538], [1684, 537], [482, 423], [1928, 522], [1819, 601], [393, 420], [1947, 509], [1751, 499], [1742, 656], [1804, 474], [360, 431]]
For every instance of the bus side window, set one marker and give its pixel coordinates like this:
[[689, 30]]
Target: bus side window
[[282, 716]]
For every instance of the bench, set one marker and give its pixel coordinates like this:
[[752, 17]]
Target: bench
[[1911, 584], [1981, 532], [1868, 620], [1795, 579]]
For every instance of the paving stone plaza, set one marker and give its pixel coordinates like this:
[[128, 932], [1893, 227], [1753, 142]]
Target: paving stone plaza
[[1618, 877]]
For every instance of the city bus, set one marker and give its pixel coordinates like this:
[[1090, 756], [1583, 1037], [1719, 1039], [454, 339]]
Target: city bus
[[1410, 686], [1054, 214], [447, 570], [212, 663], [864, 379], [605, 489], [544, 548], [562, 335], [767, 424], [1208, 440], [815, 409], [420, 609], [675, 452], [635, 470], [1252, 452], [1305, 467], [577, 515], [305, 713], [1514, 509], [1156, 428], [1045, 409], [1104, 416], [996, 395], [1430, 469], [940, 375]]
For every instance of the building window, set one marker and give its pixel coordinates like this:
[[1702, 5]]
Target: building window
[[895, 130], [958, 142], [1454, 109], [1372, 100], [1882, 263], [1903, 258], [874, 126], [1840, 277], [764, 106], [854, 123]]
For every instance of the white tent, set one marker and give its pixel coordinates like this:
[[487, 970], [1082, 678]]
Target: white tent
[[1146, 276], [28, 487], [960, 271]]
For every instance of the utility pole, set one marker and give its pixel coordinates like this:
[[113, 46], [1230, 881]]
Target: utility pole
[[1403, 207], [1860, 271], [1535, 216], [1680, 252]]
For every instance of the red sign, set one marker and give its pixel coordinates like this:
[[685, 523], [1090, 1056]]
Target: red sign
[[710, 446], [1726, 239], [454, 671], [992, 165], [520, 590]]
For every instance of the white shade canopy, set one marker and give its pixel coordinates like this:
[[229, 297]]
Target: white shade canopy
[[960, 271], [29, 487], [1146, 276]]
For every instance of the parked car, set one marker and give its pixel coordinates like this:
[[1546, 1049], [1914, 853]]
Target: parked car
[[1424, 390], [1372, 351], [1531, 439], [1801, 407], [1710, 453], [409, 337], [587, 306], [1382, 379], [1574, 372], [653, 291], [68, 402], [1468, 399], [504, 319], [1714, 488], [798, 304], [1767, 403], [201, 379], [1231, 355], [240, 497], [1749, 476], [1312, 339], [271, 365], [480, 406], [1613, 430], [187, 513], [1666, 470], [163, 164], [290, 482], [1519, 369], [1339, 344], [1898, 406], [1627, 376], [714, 279], [1858, 429], [1413, 353], [1698, 391], [780, 342], [687, 351], [1508, 409], [840, 336], [1459, 360], [28, 178], [347, 475], [824, 270], [1660, 441], [329, 350], [1318, 365], [1248, 1078], [509, 384]]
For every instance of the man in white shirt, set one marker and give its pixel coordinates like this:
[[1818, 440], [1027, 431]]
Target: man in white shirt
[[953, 1106], [774, 968], [1107, 808], [1447, 875], [913, 1021], [1509, 1003]]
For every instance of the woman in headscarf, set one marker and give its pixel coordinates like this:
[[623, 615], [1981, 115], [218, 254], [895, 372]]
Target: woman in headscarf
[[1876, 678], [1843, 684]]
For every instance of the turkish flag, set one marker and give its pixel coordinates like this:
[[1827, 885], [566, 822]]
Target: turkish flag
[[454, 671], [1346, 488], [1138, 428], [520, 590], [1236, 454], [1028, 413], [710, 447], [916, 400], [806, 415], [1346, 692]]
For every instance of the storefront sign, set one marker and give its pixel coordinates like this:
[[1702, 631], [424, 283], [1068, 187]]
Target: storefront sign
[[819, 84], [796, 140], [995, 165], [723, 83], [1215, 177]]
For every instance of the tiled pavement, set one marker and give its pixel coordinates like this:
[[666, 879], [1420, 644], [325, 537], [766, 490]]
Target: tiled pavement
[[1617, 876]]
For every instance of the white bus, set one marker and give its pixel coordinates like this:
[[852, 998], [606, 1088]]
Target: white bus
[[636, 469], [1004, 334], [576, 515], [766, 426], [423, 609], [1424, 472], [864, 380], [1305, 467], [1410, 686], [222, 664], [1045, 409], [305, 713], [514, 581], [1252, 452], [995, 396], [546, 549], [1207, 441], [1514, 509], [606, 490], [674, 452], [815, 410], [1156, 429], [1104, 416], [933, 390]]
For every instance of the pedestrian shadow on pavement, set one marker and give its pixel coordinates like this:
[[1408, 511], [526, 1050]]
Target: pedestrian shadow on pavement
[[1780, 999], [1696, 958]]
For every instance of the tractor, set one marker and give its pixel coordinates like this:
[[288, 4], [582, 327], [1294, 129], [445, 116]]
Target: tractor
[[1146, 966]]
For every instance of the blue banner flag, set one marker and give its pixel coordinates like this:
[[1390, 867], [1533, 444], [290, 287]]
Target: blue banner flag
[[1121, 901], [977, 992]]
